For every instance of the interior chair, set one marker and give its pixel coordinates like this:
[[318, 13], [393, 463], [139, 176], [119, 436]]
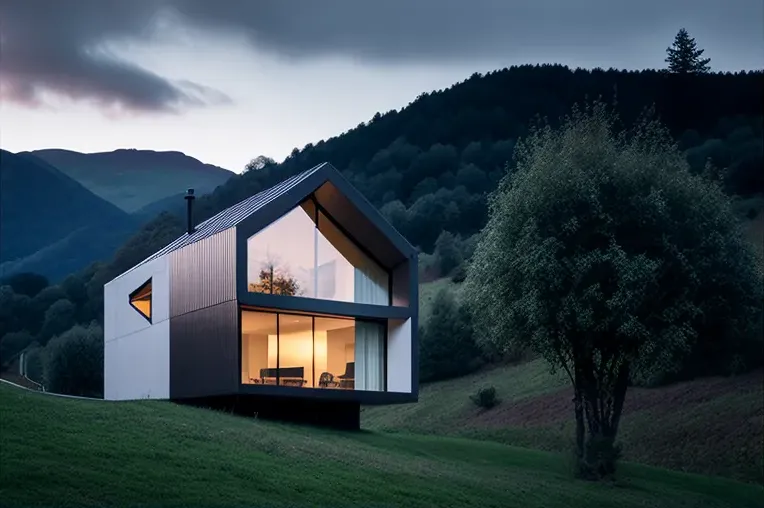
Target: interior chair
[[326, 380]]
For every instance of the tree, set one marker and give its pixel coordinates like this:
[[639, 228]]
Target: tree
[[26, 283], [11, 344], [258, 163], [447, 344], [15, 311], [275, 281], [448, 252], [58, 318], [73, 362], [604, 254], [684, 57]]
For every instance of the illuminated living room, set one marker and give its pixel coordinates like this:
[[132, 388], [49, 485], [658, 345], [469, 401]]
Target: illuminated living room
[[312, 351]]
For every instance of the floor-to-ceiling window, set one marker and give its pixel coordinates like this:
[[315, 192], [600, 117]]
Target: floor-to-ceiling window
[[259, 347], [312, 351], [305, 253]]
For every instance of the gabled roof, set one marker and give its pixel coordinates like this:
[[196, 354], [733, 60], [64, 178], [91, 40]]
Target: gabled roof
[[310, 180]]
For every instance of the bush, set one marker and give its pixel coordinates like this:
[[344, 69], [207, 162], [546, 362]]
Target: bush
[[12, 344], [73, 362], [485, 397], [447, 344], [459, 274], [35, 363]]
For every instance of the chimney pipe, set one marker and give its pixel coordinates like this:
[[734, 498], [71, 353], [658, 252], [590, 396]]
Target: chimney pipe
[[189, 197]]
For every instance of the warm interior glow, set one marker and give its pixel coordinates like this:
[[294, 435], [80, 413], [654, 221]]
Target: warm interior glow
[[300, 350], [144, 306], [141, 299]]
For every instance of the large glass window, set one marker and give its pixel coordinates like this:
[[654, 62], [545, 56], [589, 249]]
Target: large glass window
[[281, 257], [305, 253], [259, 347], [295, 350], [312, 352]]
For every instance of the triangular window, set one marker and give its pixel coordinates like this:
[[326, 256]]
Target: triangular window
[[140, 300]]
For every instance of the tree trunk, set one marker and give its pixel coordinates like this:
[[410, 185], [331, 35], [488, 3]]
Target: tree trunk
[[580, 426], [596, 450]]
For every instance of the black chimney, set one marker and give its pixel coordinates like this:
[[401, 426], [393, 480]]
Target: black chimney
[[189, 207]]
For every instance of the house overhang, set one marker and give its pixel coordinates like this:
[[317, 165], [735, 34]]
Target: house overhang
[[361, 396]]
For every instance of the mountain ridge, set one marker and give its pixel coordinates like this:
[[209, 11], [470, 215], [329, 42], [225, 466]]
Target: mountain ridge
[[132, 178]]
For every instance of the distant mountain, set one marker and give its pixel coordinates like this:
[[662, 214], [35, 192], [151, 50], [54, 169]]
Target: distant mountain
[[133, 179], [40, 206]]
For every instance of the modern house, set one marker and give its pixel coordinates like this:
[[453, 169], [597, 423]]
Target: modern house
[[299, 302]]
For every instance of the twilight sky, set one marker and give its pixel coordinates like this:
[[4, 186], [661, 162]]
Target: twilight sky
[[227, 80]]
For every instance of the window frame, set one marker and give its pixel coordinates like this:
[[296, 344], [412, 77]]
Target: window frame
[[319, 210], [382, 322], [135, 292]]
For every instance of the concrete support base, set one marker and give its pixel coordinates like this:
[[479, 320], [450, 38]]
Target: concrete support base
[[324, 413]]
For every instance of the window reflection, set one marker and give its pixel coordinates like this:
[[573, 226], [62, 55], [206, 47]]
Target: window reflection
[[305, 253]]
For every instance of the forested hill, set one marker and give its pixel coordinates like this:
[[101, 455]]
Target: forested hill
[[429, 166]]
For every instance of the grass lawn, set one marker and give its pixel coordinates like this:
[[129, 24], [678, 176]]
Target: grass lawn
[[64, 452], [710, 426]]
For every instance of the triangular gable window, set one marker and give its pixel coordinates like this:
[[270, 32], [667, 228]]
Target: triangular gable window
[[140, 300]]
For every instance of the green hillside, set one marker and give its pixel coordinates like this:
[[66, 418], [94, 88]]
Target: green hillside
[[429, 166], [65, 452], [711, 425], [132, 179]]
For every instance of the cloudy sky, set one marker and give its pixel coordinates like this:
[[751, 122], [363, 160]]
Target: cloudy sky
[[227, 80]]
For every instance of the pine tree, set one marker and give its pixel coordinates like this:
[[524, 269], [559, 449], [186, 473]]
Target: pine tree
[[684, 57]]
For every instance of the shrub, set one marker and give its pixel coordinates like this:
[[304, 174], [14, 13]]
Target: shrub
[[459, 274], [12, 344], [485, 397], [73, 362], [35, 363], [447, 344]]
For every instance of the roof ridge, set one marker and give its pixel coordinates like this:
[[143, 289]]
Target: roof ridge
[[231, 216]]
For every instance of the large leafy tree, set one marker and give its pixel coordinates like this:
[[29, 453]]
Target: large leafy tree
[[447, 344], [684, 57], [605, 255]]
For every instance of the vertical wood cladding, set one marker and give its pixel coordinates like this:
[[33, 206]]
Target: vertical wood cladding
[[203, 274], [204, 352]]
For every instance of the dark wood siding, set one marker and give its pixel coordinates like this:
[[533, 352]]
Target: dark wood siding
[[203, 274], [204, 352]]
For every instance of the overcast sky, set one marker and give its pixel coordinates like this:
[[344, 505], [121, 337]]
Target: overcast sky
[[227, 80]]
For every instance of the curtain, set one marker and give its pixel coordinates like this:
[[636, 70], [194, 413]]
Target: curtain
[[370, 284], [369, 356]]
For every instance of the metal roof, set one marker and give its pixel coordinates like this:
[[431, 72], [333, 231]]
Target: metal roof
[[233, 215]]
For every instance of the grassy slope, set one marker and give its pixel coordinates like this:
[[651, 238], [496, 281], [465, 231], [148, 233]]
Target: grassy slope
[[64, 452], [712, 426]]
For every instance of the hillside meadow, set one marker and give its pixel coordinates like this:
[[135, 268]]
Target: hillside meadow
[[64, 452]]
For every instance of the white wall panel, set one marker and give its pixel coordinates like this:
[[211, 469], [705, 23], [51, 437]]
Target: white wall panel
[[137, 366], [136, 351], [120, 318], [399, 356]]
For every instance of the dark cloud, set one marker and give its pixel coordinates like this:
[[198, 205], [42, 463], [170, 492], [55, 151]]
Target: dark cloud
[[57, 45], [459, 30]]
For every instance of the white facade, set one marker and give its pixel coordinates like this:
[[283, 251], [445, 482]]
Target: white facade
[[399, 356], [136, 351]]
